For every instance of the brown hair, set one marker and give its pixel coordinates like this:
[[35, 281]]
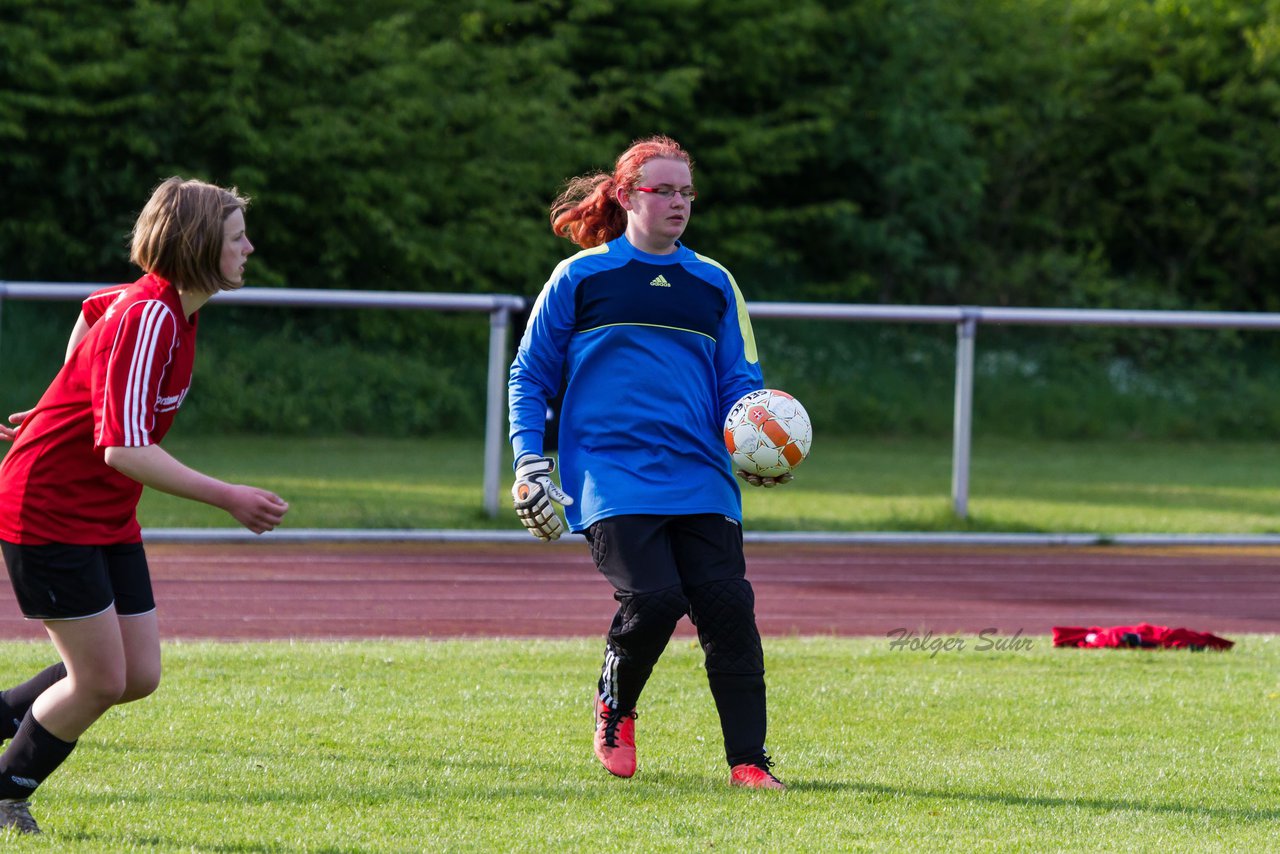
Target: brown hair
[[178, 235], [588, 213]]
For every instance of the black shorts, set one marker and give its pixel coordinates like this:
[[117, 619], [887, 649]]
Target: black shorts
[[644, 554], [65, 582]]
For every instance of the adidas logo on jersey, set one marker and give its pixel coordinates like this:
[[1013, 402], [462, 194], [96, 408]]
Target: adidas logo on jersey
[[660, 282]]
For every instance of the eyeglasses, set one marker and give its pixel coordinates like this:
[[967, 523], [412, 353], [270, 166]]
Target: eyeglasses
[[667, 192]]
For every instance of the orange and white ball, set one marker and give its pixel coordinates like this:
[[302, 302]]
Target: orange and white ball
[[768, 433]]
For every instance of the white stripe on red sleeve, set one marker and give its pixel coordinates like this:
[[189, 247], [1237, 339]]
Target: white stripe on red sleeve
[[138, 395]]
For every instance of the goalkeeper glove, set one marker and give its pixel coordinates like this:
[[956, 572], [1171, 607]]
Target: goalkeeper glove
[[533, 492]]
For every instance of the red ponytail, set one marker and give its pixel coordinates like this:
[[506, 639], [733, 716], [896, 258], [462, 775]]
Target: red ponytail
[[588, 213]]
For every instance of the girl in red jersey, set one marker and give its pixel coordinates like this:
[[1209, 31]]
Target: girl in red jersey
[[69, 486]]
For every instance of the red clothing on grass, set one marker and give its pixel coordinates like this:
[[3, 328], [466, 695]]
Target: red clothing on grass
[[1143, 635], [121, 387]]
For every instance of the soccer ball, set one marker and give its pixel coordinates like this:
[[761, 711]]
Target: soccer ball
[[767, 432]]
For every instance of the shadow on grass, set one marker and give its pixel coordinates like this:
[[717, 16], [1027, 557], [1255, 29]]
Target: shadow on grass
[[109, 842], [591, 788], [1252, 816]]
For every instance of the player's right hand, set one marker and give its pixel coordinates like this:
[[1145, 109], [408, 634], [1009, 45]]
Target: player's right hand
[[533, 492], [8, 434], [766, 482]]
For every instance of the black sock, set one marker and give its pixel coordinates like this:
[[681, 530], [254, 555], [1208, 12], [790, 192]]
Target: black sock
[[740, 700], [15, 702], [32, 756]]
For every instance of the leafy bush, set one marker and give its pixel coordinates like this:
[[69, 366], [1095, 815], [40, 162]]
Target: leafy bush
[[918, 151], [290, 382], [1069, 383], [293, 372], [1089, 153]]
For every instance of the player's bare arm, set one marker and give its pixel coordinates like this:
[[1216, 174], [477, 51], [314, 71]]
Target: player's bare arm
[[81, 329], [257, 509], [78, 332]]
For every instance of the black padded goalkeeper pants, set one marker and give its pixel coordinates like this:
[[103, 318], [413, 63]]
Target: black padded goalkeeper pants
[[662, 568]]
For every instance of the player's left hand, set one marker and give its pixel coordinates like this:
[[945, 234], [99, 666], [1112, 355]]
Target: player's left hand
[[533, 492], [257, 509], [766, 482]]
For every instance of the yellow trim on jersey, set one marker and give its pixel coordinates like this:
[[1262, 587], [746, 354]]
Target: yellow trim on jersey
[[650, 325], [555, 274], [744, 319]]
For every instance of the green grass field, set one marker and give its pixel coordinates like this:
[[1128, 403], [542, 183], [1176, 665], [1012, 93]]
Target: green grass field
[[846, 485], [485, 746]]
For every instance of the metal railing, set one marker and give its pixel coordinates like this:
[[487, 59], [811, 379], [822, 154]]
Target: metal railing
[[500, 308], [966, 320]]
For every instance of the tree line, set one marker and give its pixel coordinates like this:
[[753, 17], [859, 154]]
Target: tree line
[[1082, 153], [1031, 152]]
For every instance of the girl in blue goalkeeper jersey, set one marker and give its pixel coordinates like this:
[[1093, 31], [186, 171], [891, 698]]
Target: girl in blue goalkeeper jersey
[[653, 344]]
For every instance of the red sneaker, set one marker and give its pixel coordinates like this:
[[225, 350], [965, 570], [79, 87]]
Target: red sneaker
[[615, 740], [752, 775]]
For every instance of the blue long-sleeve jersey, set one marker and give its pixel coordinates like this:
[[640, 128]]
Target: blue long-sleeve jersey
[[653, 351]]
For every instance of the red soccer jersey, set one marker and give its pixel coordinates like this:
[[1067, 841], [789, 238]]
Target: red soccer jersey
[[121, 387]]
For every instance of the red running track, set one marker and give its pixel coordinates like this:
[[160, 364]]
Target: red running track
[[267, 591]]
